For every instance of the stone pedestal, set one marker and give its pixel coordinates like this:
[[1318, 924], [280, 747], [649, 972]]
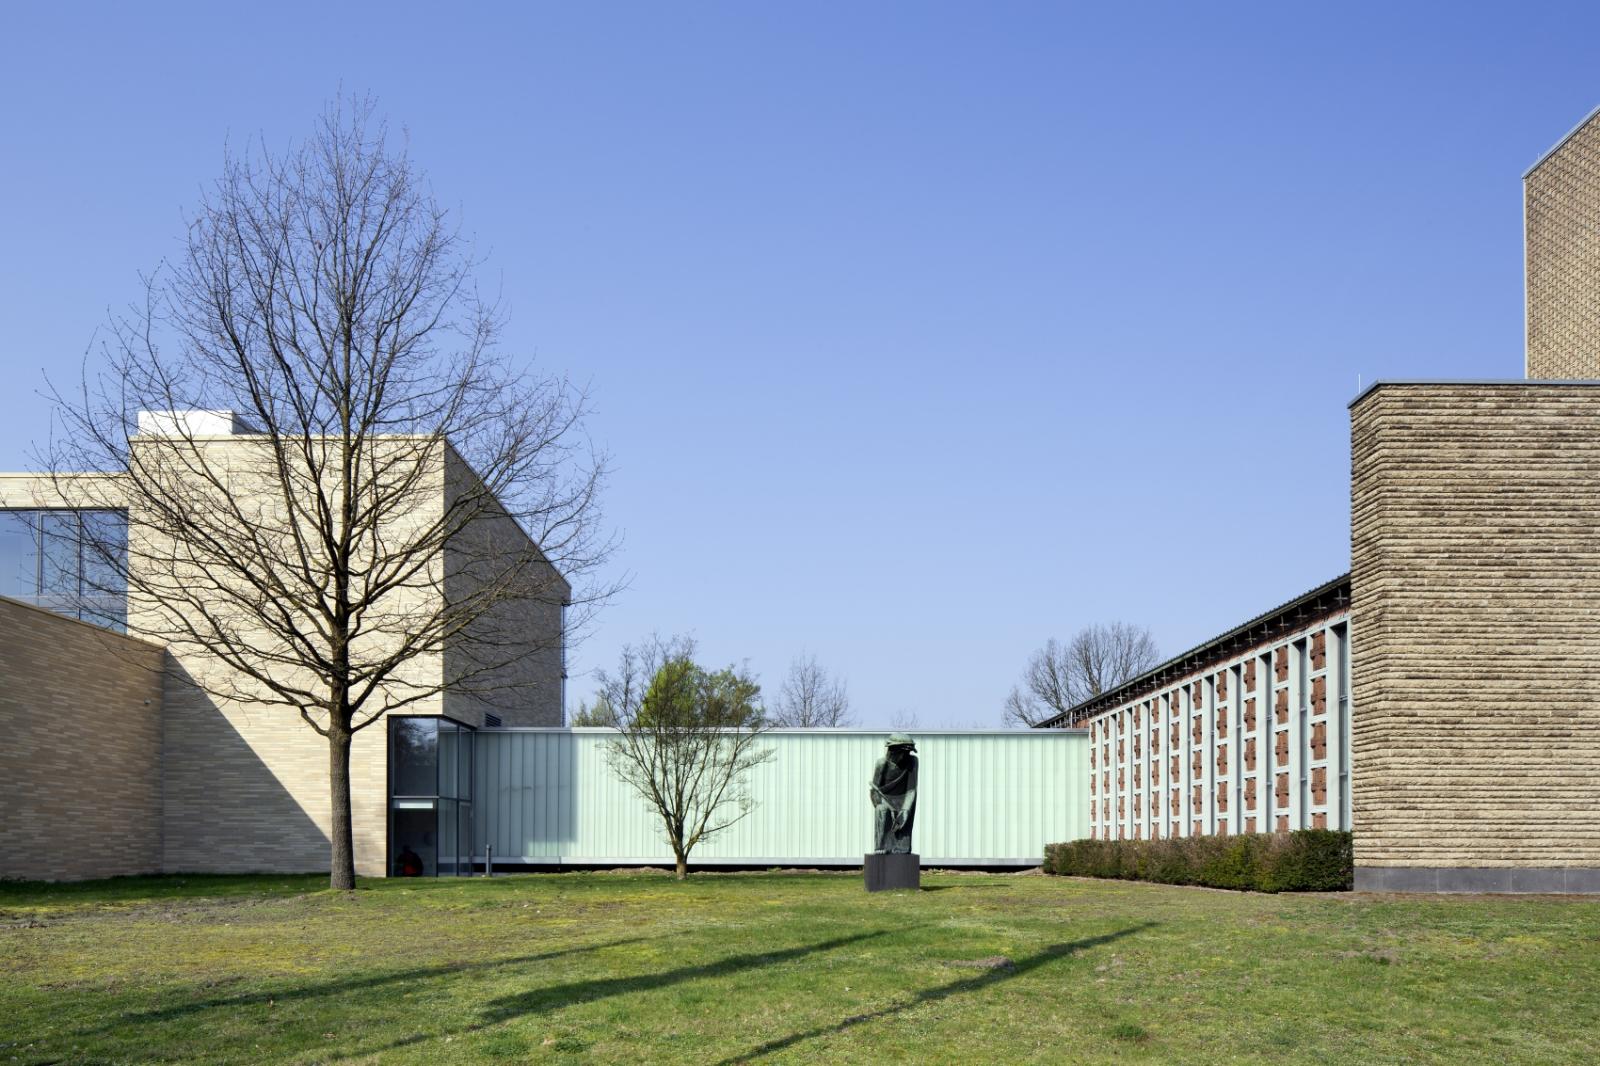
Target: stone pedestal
[[885, 872]]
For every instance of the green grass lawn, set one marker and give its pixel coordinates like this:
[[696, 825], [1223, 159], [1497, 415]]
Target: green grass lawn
[[785, 967]]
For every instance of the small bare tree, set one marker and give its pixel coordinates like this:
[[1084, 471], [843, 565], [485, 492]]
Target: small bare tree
[[395, 499], [1061, 676], [686, 740], [810, 698], [905, 720]]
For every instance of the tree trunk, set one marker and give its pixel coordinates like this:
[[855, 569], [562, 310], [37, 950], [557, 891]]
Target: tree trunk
[[681, 865], [343, 872]]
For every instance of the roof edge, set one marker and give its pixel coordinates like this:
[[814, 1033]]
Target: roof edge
[[1115, 695], [1497, 382], [1553, 149]]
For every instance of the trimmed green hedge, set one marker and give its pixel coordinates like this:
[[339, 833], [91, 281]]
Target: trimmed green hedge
[[1307, 860]]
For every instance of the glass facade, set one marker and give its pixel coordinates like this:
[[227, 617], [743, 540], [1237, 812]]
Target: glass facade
[[430, 797], [70, 562]]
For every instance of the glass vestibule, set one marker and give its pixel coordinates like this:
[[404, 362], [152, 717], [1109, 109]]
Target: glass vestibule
[[430, 796]]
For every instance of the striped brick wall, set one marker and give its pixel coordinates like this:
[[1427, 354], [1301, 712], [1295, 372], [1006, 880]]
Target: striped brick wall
[[1561, 205], [1475, 560], [80, 755]]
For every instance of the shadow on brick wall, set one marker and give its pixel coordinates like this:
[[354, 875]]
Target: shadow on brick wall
[[226, 808]]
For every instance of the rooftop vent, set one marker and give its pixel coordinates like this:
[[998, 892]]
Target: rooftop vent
[[194, 423]]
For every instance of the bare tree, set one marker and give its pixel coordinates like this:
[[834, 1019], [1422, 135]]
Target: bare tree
[[810, 698], [687, 739], [397, 499], [1060, 676], [904, 720]]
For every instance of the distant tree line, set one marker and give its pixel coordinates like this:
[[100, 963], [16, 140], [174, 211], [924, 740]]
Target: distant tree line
[[809, 698]]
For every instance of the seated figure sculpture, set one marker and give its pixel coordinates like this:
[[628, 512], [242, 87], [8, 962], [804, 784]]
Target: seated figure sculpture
[[894, 796]]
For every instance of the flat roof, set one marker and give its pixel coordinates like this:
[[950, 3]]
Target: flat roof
[[1522, 382]]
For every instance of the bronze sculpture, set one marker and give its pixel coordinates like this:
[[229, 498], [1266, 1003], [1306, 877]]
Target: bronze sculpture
[[893, 791]]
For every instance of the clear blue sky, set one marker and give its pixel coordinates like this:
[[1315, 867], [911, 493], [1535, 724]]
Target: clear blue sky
[[919, 333]]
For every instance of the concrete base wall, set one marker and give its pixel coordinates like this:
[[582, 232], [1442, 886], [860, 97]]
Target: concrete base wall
[[80, 749], [1561, 880]]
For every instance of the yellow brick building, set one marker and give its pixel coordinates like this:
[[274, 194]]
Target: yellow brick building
[[1464, 752], [194, 780]]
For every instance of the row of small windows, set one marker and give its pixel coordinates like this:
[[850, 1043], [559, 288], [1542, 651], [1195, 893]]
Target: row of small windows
[[68, 561]]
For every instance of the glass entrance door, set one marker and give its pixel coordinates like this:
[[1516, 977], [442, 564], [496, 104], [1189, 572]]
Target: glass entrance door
[[430, 796]]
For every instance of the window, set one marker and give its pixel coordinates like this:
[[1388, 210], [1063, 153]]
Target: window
[[430, 796], [71, 562]]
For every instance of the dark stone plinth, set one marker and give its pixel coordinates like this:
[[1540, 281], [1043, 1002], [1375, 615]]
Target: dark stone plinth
[[885, 872]]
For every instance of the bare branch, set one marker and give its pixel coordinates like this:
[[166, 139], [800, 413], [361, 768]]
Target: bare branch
[[905, 720], [1060, 676], [810, 698], [398, 511]]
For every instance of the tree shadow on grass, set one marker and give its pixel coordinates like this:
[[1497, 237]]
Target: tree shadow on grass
[[933, 995], [946, 888], [334, 988], [538, 1000]]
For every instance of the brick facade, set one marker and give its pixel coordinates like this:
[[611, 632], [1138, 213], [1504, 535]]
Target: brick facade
[[245, 789], [527, 690], [1561, 203], [80, 762], [1475, 513], [235, 786]]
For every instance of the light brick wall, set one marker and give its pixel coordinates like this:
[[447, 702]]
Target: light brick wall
[[246, 788], [1561, 198], [69, 490], [239, 786], [80, 749], [246, 785], [1475, 562]]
